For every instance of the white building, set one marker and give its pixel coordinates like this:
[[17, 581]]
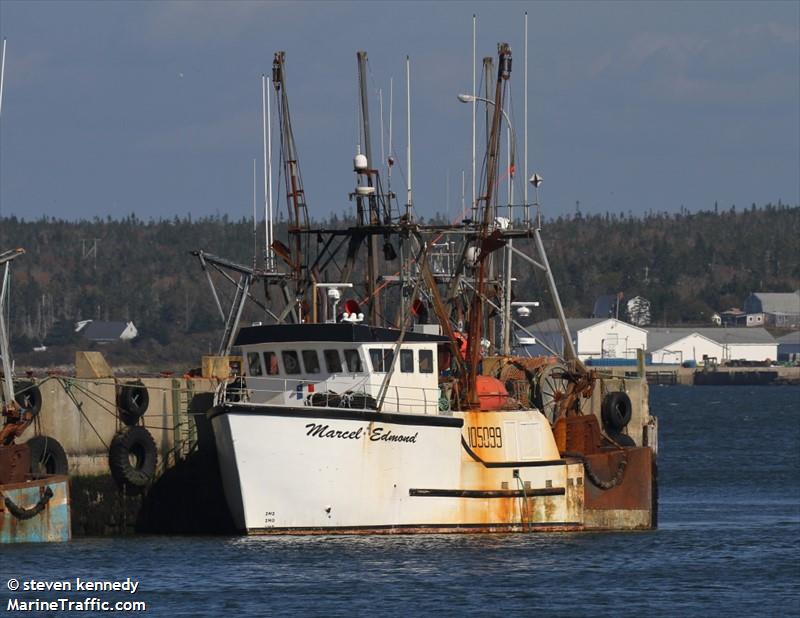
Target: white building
[[753, 344], [592, 338], [676, 345]]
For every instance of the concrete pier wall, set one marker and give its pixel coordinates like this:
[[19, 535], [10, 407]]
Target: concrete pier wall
[[186, 494], [687, 376], [82, 415]]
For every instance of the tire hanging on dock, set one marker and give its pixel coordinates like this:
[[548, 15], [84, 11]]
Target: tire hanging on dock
[[616, 411], [47, 456], [132, 401], [132, 458], [622, 439], [28, 396]]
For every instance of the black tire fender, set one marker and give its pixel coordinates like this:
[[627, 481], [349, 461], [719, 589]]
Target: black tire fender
[[28, 395], [47, 456], [132, 401], [622, 439], [616, 411], [132, 458]]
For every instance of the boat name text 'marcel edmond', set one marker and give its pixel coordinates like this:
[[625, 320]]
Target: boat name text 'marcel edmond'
[[376, 434]]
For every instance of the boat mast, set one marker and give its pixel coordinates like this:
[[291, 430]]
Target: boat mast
[[474, 110], [2, 74], [409, 202], [525, 115], [373, 272], [486, 242], [5, 347], [295, 195], [5, 259], [390, 160], [488, 316], [269, 257], [507, 316], [255, 217]]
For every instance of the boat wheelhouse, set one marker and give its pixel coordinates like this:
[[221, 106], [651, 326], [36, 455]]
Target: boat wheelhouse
[[342, 364]]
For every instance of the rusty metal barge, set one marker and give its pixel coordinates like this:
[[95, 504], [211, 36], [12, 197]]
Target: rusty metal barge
[[383, 395]]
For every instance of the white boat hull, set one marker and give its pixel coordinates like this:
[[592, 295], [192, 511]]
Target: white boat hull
[[325, 470]]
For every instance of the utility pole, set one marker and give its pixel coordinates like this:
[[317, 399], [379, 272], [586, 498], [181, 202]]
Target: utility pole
[[91, 252]]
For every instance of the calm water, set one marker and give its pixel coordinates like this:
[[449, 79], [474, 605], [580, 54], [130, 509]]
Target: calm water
[[728, 544]]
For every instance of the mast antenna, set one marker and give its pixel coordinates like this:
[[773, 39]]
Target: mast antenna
[[255, 224], [267, 131], [390, 160], [2, 74], [409, 202], [463, 193], [474, 110], [525, 114], [380, 101]]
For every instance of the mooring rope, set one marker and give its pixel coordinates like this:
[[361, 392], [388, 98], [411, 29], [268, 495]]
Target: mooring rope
[[596, 480], [23, 513]]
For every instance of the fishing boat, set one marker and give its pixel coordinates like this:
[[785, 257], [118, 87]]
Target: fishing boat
[[380, 398], [34, 505]]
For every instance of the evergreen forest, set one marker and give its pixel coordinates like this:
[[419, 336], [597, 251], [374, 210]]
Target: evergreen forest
[[688, 265]]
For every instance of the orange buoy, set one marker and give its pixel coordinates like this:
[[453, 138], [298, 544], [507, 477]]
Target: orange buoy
[[492, 393]]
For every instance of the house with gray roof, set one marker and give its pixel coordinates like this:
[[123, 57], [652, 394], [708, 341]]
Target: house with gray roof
[[106, 332], [781, 309]]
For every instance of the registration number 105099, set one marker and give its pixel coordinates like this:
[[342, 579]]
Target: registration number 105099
[[485, 437]]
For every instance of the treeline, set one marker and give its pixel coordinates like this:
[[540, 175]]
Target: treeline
[[688, 265]]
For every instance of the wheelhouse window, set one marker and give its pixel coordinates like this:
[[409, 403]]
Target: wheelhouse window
[[381, 359], [426, 361], [271, 363], [254, 367], [353, 361], [311, 361], [407, 361], [291, 363], [333, 362]]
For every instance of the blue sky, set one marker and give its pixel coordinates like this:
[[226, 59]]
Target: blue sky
[[154, 107]]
